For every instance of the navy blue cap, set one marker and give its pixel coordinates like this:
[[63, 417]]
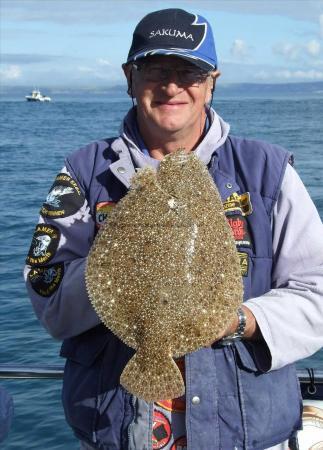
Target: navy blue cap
[[175, 32]]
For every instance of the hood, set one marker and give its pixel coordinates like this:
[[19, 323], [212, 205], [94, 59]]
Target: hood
[[214, 138]]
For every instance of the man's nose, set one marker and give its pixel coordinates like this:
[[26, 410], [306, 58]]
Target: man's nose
[[172, 84]]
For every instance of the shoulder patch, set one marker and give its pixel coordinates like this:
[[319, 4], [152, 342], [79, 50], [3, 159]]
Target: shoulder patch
[[44, 244], [46, 280], [64, 198]]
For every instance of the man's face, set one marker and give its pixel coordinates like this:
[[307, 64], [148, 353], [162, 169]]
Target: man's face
[[170, 101]]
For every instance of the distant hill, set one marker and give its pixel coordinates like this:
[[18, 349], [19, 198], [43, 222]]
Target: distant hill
[[314, 89], [264, 89]]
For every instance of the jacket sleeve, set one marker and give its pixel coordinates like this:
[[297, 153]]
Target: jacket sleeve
[[290, 315], [55, 265]]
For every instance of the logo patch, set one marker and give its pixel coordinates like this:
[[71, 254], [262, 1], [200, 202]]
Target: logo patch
[[102, 211], [239, 229], [246, 204], [238, 203], [244, 263], [46, 280], [64, 198], [180, 444], [161, 430], [44, 244], [232, 203]]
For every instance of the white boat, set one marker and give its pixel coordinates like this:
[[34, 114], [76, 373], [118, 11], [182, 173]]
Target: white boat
[[36, 96]]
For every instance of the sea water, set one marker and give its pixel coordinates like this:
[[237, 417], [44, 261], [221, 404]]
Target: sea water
[[35, 138]]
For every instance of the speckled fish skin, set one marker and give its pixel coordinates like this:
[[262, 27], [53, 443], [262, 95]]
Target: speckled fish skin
[[163, 273]]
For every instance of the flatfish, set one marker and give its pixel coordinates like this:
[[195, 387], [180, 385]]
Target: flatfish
[[163, 273]]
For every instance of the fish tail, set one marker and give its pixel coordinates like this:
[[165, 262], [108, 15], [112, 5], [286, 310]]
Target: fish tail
[[153, 382]]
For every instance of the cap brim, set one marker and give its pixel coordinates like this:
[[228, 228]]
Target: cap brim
[[197, 61]]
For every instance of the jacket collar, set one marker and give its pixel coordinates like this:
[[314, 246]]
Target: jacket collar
[[208, 151]]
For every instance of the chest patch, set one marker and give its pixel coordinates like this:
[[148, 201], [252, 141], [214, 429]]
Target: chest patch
[[102, 211], [244, 263], [161, 430], [239, 203], [239, 227]]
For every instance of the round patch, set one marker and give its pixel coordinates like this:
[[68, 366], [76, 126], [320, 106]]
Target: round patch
[[46, 280], [161, 430], [180, 444], [44, 245], [64, 198]]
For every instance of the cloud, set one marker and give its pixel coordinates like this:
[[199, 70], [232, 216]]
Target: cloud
[[239, 49], [307, 10], [321, 25], [101, 70], [293, 52], [11, 72], [287, 50], [84, 69], [103, 62], [28, 58], [107, 12], [313, 47]]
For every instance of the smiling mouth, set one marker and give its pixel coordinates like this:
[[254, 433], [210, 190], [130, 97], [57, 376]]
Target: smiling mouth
[[169, 105]]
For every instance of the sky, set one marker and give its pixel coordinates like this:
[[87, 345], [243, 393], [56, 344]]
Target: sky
[[82, 43]]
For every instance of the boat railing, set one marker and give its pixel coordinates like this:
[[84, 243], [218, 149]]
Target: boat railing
[[29, 371]]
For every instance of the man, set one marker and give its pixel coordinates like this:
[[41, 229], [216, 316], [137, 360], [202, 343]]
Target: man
[[241, 392]]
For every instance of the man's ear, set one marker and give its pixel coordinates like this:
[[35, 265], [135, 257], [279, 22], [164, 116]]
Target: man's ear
[[211, 84], [127, 70]]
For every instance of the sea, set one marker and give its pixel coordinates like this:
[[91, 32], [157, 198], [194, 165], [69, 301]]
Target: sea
[[35, 138]]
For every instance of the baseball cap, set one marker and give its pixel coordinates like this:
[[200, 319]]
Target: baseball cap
[[175, 32]]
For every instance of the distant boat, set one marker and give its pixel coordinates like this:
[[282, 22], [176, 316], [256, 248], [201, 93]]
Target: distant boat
[[36, 96]]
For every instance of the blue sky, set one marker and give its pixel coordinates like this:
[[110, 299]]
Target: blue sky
[[82, 43]]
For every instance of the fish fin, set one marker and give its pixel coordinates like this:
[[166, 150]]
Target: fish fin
[[153, 382]]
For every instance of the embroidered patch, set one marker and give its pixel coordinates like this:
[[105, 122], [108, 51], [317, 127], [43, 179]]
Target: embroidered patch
[[102, 210], [232, 203], [239, 228], [246, 205], [161, 430], [64, 198], [44, 245], [238, 203], [180, 444], [46, 280], [244, 263]]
